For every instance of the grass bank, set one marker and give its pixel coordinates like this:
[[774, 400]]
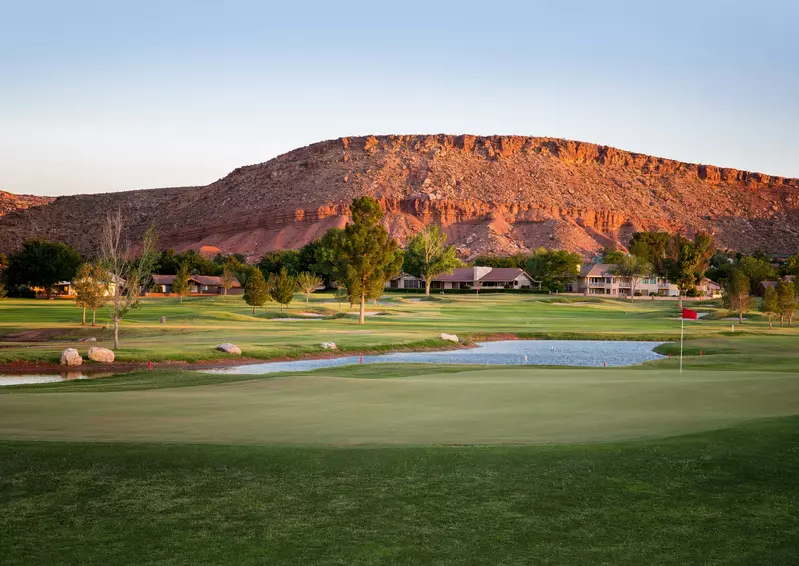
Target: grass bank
[[723, 497]]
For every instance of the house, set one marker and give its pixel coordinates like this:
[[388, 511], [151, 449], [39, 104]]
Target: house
[[709, 289], [596, 279], [198, 284], [468, 278], [761, 289], [67, 288]]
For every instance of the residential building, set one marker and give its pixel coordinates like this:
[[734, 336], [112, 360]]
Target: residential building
[[198, 285], [469, 278], [596, 279]]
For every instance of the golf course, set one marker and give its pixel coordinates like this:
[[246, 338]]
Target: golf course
[[395, 462]]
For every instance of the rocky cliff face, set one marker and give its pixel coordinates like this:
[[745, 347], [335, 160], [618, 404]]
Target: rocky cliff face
[[498, 194]]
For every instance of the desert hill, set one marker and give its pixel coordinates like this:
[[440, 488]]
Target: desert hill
[[12, 203], [497, 194]]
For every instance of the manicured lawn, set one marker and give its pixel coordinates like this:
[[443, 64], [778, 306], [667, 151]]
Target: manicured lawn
[[494, 405], [724, 497], [402, 464], [197, 325]]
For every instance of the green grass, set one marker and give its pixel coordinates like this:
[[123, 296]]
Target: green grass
[[194, 327], [403, 464], [476, 406], [724, 497]]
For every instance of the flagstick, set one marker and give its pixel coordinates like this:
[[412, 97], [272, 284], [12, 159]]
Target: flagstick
[[682, 332]]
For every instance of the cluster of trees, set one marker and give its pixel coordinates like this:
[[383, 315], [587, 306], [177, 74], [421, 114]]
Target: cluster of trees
[[778, 301], [360, 258], [279, 287]]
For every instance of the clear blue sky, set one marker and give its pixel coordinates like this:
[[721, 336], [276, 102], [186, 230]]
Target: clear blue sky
[[106, 96]]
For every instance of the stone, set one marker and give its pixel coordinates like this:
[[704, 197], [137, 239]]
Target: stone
[[102, 355], [329, 345], [449, 337], [71, 357], [163, 320], [229, 348]]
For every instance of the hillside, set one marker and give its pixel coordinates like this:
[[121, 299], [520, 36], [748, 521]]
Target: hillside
[[496, 194], [11, 203]]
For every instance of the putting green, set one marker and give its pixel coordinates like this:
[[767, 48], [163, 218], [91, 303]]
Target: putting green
[[479, 406]]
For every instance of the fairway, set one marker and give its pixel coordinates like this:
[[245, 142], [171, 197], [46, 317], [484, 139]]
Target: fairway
[[519, 405]]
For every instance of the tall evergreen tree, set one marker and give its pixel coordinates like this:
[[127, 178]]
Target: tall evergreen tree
[[365, 257], [427, 255], [283, 288], [256, 292]]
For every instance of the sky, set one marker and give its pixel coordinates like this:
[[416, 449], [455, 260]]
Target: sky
[[108, 96]]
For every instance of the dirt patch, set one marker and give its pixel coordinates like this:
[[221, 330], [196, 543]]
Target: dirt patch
[[38, 335]]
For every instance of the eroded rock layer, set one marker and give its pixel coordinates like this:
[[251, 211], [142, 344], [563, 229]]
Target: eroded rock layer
[[498, 194]]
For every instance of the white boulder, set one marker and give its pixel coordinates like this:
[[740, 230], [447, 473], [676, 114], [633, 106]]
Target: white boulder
[[103, 355], [449, 337], [229, 348], [71, 357], [329, 345]]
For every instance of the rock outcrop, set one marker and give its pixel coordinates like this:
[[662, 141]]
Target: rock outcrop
[[497, 194], [71, 357], [229, 348], [12, 203], [102, 355]]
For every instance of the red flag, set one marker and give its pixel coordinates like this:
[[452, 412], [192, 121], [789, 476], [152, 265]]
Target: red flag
[[687, 313]]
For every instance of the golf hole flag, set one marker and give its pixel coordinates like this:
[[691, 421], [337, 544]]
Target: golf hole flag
[[690, 315]]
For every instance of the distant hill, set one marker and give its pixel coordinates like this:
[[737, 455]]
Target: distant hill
[[12, 203], [499, 194]]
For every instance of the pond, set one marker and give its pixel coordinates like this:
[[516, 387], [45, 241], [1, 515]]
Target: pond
[[585, 353], [26, 378]]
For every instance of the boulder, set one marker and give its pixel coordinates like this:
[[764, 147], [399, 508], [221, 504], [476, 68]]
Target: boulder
[[449, 337], [102, 355], [71, 357], [229, 348], [329, 345]]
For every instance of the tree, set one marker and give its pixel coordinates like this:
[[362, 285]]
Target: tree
[[180, 284], [770, 306], [427, 255], [3, 291], [307, 284], [91, 286], [130, 272], [652, 247], [3, 260], [612, 255], [517, 260], [688, 261], [273, 262], [791, 266], [365, 257], [757, 270], [256, 292], [41, 263], [736, 294], [554, 268], [228, 279], [283, 287], [631, 269], [786, 299]]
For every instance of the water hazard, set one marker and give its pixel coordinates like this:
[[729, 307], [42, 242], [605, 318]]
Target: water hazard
[[582, 353]]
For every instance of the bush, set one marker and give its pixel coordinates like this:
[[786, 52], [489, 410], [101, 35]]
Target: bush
[[22, 292]]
